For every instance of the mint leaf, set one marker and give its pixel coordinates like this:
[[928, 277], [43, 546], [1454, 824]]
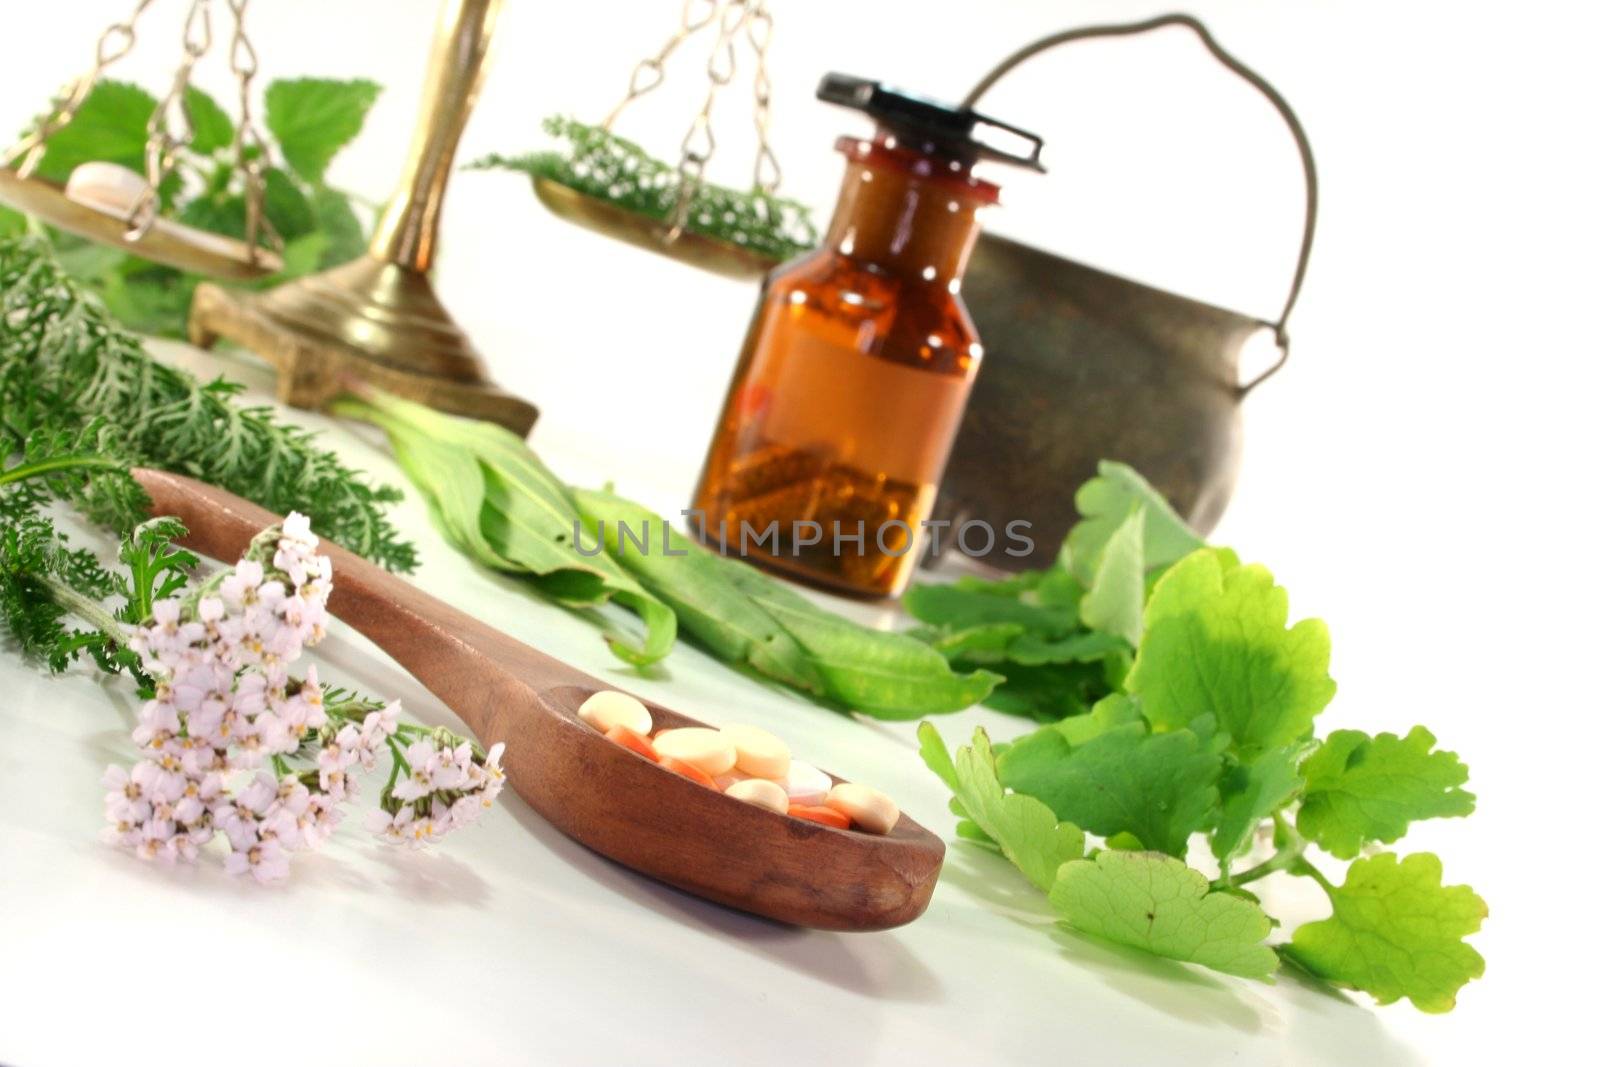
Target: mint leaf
[[1160, 788], [1216, 642], [1154, 902], [1250, 793], [1023, 828], [1361, 789], [1105, 502], [1114, 603], [213, 129], [1396, 931], [313, 118], [110, 126]]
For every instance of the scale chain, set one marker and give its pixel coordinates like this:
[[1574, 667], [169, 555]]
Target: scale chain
[[651, 71], [114, 42], [162, 147], [699, 143], [767, 174], [250, 150]]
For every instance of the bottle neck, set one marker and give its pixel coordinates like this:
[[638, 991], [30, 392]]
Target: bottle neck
[[907, 214]]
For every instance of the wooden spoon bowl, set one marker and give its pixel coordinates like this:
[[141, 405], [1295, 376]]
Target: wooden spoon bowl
[[597, 792]]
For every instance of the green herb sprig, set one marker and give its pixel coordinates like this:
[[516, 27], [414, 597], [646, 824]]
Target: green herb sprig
[[598, 163], [67, 369]]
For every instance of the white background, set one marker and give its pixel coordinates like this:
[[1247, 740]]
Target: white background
[[1420, 475]]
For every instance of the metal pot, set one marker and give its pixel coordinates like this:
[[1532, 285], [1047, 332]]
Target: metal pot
[[1081, 365]]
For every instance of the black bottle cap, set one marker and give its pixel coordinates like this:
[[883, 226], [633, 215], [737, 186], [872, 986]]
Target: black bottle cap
[[959, 132]]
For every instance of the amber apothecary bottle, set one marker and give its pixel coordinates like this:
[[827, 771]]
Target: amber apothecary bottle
[[851, 384]]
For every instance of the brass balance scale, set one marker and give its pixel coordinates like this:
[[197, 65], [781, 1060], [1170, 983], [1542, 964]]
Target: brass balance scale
[[378, 317], [133, 223], [1050, 325]]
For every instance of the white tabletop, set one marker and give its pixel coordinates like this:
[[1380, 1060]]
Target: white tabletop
[[1417, 476], [513, 944]]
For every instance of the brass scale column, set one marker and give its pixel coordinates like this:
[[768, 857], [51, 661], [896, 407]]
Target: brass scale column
[[377, 317]]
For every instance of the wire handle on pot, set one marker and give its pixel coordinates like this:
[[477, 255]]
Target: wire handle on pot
[[1280, 328]]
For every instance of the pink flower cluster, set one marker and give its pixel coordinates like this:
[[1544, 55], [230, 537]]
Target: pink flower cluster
[[446, 786], [226, 712]]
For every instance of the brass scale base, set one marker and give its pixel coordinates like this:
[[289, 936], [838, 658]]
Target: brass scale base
[[375, 321], [377, 318]]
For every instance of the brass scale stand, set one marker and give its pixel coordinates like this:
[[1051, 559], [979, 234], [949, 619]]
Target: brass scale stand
[[377, 317]]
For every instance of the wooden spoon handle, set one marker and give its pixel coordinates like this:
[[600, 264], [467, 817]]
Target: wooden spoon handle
[[469, 665]]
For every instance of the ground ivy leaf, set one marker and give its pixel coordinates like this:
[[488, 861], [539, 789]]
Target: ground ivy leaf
[[312, 118], [1160, 788], [1026, 831], [1105, 501], [1216, 642], [1114, 603], [1361, 789], [1396, 932], [1250, 793], [1151, 901]]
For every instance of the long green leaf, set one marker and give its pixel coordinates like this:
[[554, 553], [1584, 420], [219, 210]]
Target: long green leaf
[[700, 588], [492, 497]]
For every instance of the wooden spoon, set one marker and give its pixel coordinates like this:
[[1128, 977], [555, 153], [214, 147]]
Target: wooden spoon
[[605, 796]]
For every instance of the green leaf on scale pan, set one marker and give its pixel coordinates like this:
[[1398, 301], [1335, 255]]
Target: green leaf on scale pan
[[1396, 931], [492, 497], [347, 238], [313, 118], [110, 126], [213, 129], [1361, 789], [1104, 503], [696, 584], [1217, 642], [1153, 902], [1114, 603], [1023, 828], [286, 207], [1161, 788]]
